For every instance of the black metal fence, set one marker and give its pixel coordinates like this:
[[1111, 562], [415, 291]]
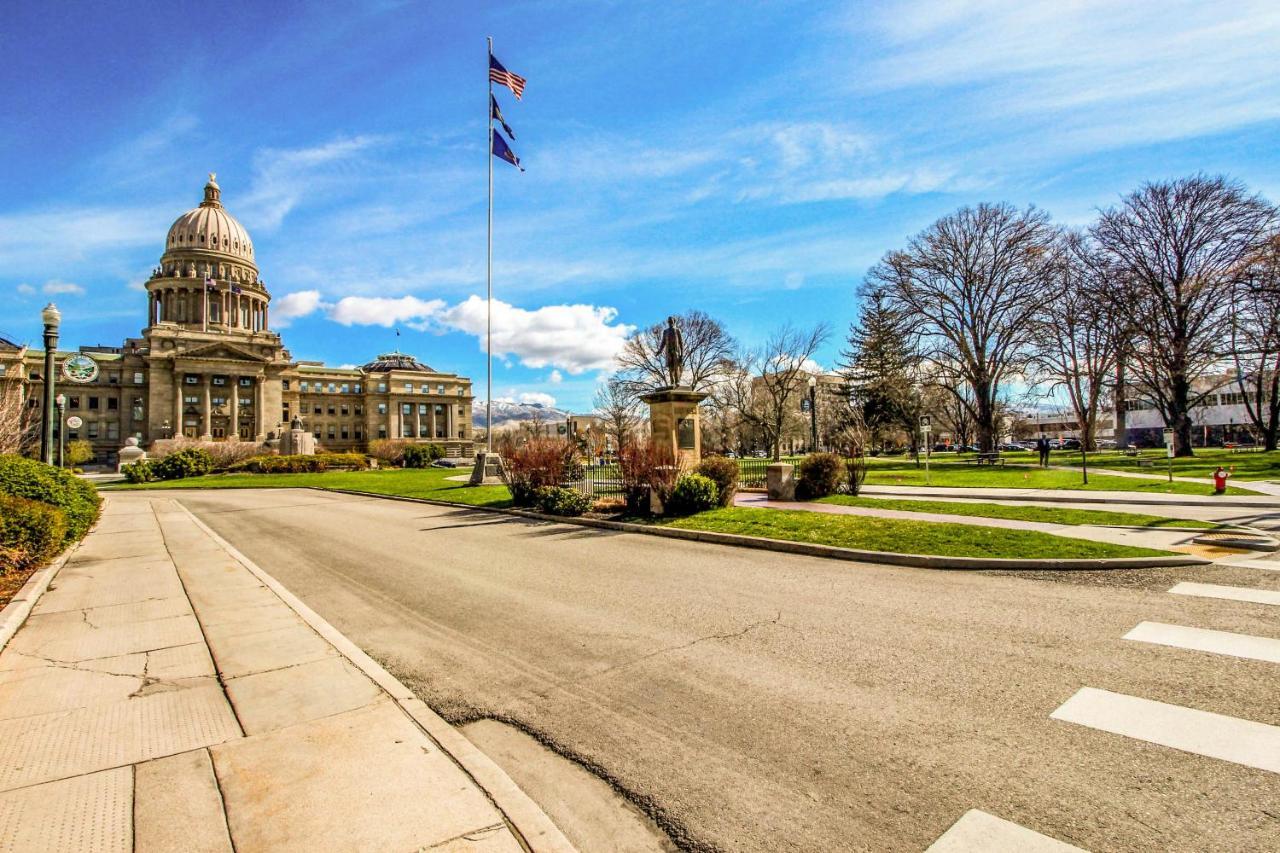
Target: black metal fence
[[598, 481], [751, 472]]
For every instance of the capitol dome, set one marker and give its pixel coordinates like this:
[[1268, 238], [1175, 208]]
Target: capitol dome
[[210, 228]]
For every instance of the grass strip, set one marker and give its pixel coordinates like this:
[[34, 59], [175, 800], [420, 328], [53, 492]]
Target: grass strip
[[1043, 514], [953, 474], [895, 535]]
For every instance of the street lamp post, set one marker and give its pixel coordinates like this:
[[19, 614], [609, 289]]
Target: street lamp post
[[61, 401], [813, 414], [925, 427], [51, 317]]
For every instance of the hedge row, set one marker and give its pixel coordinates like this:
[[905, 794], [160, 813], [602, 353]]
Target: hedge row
[[302, 464], [42, 509]]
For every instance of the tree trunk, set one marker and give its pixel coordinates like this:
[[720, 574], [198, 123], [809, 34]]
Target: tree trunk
[[1121, 432], [986, 420], [1180, 416]]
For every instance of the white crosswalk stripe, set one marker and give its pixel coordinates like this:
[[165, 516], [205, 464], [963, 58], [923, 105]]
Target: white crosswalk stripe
[[1230, 593], [979, 832], [1188, 729], [1205, 640]]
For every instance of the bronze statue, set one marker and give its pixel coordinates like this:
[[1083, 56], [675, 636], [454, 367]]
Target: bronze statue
[[672, 348]]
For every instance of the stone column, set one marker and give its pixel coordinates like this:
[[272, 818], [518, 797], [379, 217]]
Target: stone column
[[234, 431], [431, 421], [178, 389], [259, 410], [207, 434], [448, 420], [265, 316], [417, 420]]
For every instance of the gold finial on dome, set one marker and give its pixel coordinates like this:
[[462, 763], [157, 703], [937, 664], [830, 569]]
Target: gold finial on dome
[[212, 194]]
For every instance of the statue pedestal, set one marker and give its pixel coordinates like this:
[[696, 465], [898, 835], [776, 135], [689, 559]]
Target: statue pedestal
[[488, 470], [675, 424]]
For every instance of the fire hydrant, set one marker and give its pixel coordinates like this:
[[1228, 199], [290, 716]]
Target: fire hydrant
[[1220, 480]]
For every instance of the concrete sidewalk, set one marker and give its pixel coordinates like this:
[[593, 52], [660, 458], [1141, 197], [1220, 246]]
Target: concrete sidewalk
[[165, 694]]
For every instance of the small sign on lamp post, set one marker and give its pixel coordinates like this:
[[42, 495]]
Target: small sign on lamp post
[[1168, 450]]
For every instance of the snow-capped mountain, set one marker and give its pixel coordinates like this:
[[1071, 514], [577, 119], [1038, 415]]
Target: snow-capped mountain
[[508, 414]]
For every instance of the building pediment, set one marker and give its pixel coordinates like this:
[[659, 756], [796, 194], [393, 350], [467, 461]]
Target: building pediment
[[221, 351]]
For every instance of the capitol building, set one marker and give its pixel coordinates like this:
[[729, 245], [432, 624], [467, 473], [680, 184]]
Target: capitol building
[[209, 367]]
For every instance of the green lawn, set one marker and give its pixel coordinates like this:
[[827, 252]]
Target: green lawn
[[409, 483], [947, 470], [915, 537], [1243, 466], [1045, 514]]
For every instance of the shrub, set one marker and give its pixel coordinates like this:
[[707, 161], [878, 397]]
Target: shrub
[[27, 478], [558, 500], [692, 493], [78, 452], [857, 473], [819, 475], [537, 463], [31, 532], [226, 454], [645, 466], [389, 450], [139, 472], [303, 464], [188, 462], [422, 455], [724, 473]]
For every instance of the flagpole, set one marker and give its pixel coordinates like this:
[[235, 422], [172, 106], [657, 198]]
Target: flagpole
[[488, 321], [204, 315]]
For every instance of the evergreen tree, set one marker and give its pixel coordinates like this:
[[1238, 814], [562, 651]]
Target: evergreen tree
[[880, 368]]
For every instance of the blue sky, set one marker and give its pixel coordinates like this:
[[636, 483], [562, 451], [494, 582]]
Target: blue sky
[[749, 159]]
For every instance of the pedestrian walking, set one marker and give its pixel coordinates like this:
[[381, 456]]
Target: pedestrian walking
[[1042, 446]]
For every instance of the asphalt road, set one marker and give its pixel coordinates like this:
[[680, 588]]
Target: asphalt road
[[758, 701]]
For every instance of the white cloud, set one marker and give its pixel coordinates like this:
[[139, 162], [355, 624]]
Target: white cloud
[[282, 176], [555, 377], [138, 285], [62, 287], [575, 338], [26, 289], [385, 311], [293, 305], [537, 398]]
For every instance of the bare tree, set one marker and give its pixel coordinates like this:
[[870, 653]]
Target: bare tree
[[767, 383], [708, 348], [19, 422], [1255, 341], [619, 410], [970, 284], [1077, 334], [1177, 249]]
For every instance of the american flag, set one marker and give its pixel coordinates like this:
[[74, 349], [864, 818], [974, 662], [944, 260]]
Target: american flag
[[500, 75], [209, 284]]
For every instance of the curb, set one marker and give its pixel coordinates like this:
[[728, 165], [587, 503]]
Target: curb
[[1071, 497], [527, 819], [15, 613], [921, 561]]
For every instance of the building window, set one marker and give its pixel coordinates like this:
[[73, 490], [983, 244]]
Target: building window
[[382, 387], [73, 402], [284, 384], [245, 401], [382, 408], [113, 378], [93, 429], [408, 387], [331, 409], [345, 432], [137, 408], [245, 381], [345, 408], [113, 429], [191, 379], [359, 408], [422, 431], [219, 380], [439, 389], [138, 378], [357, 387], [317, 410], [406, 408], [332, 432], [331, 388], [423, 388], [303, 385], [113, 404], [359, 432], [93, 402], [422, 408], [460, 391], [346, 389], [382, 430], [191, 399]]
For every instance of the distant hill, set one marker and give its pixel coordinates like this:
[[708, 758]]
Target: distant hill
[[508, 415]]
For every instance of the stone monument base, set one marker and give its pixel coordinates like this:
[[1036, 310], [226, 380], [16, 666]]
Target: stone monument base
[[675, 424], [488, 470]]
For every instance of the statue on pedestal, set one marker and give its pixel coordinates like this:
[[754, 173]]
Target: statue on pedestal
[[671, 349]]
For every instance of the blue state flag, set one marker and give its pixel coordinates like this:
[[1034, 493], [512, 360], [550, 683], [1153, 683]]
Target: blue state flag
[[503, 151], [497, 116]]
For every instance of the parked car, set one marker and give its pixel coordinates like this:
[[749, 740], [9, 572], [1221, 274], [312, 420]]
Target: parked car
[[1070, 444], [1010, 447], [730, 455], [444, 463]]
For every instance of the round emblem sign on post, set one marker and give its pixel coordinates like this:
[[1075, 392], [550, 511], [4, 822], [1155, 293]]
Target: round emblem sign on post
[[74, 422], [80, 369]]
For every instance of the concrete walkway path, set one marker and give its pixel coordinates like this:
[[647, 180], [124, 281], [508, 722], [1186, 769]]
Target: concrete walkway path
[[1138, 538], [164, 694], [1265, 487]]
